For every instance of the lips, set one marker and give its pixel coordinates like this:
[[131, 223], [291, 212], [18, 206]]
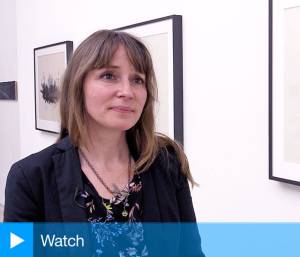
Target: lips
[[122, 109]]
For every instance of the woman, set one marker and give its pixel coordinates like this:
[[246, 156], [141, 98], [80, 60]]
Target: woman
[[108, 164]]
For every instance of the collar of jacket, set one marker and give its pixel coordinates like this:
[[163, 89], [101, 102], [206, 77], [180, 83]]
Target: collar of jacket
[[69, 182]]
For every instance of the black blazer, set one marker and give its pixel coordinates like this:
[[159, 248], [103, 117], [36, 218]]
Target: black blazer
[[41, 187]]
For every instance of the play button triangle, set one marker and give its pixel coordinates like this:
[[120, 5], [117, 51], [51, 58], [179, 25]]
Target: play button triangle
[[15, 240]]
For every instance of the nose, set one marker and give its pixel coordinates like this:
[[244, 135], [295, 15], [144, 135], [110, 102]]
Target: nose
[[125, 89]]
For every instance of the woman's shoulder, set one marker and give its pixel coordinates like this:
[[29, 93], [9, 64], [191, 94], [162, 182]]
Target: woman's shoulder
[[169, 151], [168, 163], [40, 160], [166, 155]]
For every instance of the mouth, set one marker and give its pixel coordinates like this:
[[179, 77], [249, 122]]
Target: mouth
[[122, 109]]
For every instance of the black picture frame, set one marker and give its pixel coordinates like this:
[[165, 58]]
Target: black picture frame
[[284, 159], [50, 62], [166, 33]]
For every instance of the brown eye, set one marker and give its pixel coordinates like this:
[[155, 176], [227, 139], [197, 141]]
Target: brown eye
[[108, 76], [138, 81]]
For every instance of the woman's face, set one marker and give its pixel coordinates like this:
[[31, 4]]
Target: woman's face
[[114, 96]]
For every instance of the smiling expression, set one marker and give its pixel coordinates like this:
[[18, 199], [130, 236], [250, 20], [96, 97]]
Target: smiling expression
[[114, 96]]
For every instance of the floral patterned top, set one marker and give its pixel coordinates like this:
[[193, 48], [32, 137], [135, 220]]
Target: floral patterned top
[[125, 206], [115, 220]]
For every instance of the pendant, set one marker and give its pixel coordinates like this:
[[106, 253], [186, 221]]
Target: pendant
[[124, 213]]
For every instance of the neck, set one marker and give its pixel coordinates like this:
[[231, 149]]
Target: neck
[[106, 146]]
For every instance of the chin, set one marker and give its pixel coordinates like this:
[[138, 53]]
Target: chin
[[122, 124], [122, 127]]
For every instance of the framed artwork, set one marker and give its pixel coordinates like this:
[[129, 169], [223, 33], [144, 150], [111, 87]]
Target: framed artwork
[[8, 90], [163, 38], [50, 62], [284, 91]]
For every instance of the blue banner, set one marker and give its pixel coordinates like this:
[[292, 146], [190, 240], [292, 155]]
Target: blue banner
[[138, 239], [250, 239]]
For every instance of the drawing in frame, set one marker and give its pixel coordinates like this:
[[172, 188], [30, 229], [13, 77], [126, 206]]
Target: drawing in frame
[[284, 91], [50, 62], [163, 38]]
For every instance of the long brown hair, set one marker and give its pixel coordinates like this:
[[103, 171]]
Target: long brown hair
[[96, 51]]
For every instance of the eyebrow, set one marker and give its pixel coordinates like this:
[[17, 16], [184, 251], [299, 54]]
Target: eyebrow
[[111, 67], [118, 67]]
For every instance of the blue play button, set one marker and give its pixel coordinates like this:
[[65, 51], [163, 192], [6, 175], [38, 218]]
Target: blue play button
[[16, 239]]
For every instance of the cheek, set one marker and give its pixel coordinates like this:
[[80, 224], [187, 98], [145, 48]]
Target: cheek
[[143, 98], [97, 95], [89, 91], [88, 99], [92, 98]]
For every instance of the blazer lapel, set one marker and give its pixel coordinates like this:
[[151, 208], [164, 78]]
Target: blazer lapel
[[69, 181], [150, 208]]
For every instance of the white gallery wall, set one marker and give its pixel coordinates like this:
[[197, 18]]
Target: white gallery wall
[[9, 110], [225, 49]]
